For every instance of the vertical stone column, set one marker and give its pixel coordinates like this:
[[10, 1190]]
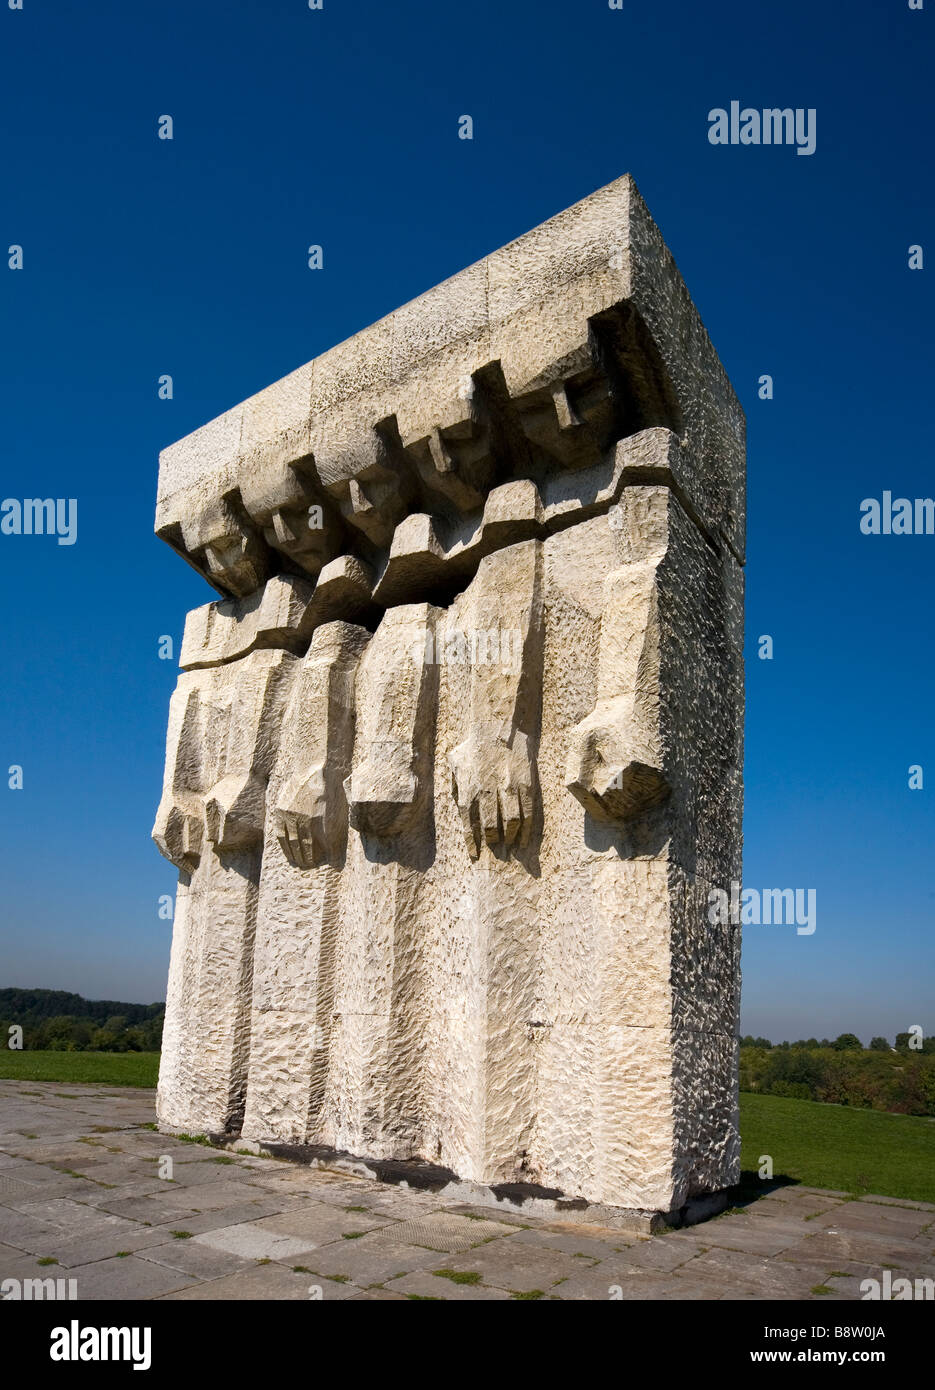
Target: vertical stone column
[[376, 1077], [653, 766], [223, 729], [299, 899], [493, 660]]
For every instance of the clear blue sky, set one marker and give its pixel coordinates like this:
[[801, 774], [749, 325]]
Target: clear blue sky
[[339, 127]]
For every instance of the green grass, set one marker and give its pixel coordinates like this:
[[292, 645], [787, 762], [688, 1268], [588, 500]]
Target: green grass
[[99, 1068], [835, 1146]]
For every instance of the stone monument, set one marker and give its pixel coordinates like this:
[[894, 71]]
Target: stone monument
[[454, 763]]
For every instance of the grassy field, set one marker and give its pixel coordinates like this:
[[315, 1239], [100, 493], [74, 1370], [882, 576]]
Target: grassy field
[[822, 1145], [102, 1068], [833, 1146]]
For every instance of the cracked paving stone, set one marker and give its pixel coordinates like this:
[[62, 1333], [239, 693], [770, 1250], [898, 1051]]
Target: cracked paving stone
[[320, 1224], [129, 1278], [426, 1285], [188, 1257], [850, 1245], [754, 1238], [252, 1242], [661, 1254], [366, 1262], [444, 1232], [151, 1211], [571, 1242], [103, 1243], [269, 1282], [377, 1296], [518, 1268]]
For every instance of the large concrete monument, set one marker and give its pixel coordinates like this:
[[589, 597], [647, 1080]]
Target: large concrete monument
[[455, 762]]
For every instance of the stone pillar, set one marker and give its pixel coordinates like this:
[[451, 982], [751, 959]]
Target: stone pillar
[[454, 763]]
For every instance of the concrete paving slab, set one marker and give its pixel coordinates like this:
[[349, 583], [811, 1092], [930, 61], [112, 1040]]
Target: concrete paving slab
[[187, 1257], [444, 1231], [744, 1233], [267, 1283], [124, 1279], [571, 1242], [365, 1262], [378, 1296], [422, 1284], [317, 1223], [517, 1268], [897, 1202], [101, 1244], [252, 1220], [251, 1242]]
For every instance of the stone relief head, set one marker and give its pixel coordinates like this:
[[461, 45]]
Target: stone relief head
[[225, 546]]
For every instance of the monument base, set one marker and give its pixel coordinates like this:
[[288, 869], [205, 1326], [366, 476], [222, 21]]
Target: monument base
[[515, 1198]]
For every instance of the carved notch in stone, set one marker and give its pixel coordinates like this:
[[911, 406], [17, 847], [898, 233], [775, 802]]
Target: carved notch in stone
[[377, 488], [297, 519]]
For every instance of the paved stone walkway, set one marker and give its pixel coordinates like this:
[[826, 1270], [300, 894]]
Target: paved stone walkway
[[81, 1197]]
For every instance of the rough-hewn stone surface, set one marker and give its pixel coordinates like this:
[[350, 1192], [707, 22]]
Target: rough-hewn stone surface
[[455, 762]]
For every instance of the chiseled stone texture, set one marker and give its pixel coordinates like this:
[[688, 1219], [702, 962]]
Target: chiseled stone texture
[[454, 764]]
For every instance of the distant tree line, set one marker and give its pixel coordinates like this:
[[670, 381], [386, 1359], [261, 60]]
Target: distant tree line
[[898, 1077], [53, 1020]]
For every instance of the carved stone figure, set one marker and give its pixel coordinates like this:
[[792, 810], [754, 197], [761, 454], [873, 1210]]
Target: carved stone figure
[[454, 763]]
